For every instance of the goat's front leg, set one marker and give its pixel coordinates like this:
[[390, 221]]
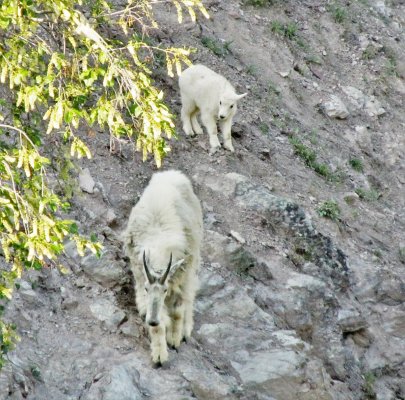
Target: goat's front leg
[[226, 127], [174, 334], [211, 126], [158, 344]]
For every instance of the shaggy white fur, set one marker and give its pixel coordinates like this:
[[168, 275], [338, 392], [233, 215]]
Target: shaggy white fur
[[166, 222]]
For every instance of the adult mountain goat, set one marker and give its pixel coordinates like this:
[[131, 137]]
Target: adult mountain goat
[[163, 240], [204, 91]]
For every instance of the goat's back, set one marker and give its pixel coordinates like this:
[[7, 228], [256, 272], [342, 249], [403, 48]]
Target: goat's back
[[167, 218], [200, 83]]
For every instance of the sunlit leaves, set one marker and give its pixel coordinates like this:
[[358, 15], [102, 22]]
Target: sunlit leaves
[[30, 234], [189, 5], [79, 148], [8, 337], [86, 65]]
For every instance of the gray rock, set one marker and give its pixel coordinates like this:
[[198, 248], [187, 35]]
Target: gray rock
[[237, 236], [106, 270], [288, 217], [27, 293], [206, 385], [130, 328], [356, 97], [53, 277], [362, 339], [226, 185], [239, 259], [335, 108], [351, 321], [110, 217], [71, 251], [234, 256], [107, 312], [120, 383], [86, 182], [382, 8], [69, 301], [308, 282], [210, 282], [279, 371], [361, 101], [261, 271], [373, 107], [390, 290], [382, 392]]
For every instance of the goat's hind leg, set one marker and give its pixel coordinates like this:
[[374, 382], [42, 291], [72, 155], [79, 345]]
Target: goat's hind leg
[[187, 109], [194, 122], [174, 334]]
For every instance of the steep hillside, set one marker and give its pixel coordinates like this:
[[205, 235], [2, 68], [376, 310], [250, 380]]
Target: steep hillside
[[293, 304]]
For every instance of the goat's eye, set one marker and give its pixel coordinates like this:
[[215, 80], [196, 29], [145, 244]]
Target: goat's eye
[[146, 289], [165, 290], [232, 106], [220, 103]]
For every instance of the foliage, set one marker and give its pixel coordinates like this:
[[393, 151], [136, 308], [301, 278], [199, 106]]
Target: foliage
[[288, 30], [339, 14], [218, 48], [369, 52], [89, 79], [8, 338], [302, 252], [309, 157], [277, 27], [303, 151], [329, 209], [264, 128], [259, 3], [390, 68], [61, 74], [368, 194], [356, 164], [368, 386], [401, 254], [252, 70]]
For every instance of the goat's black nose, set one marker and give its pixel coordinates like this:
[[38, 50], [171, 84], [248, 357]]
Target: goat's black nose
[[153, 323], [222, 116]]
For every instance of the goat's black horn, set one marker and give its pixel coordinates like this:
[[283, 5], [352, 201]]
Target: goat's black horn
[[151, 279], [164, 277]]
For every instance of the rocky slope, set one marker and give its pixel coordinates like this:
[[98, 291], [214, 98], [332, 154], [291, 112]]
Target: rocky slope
[[292, 305]]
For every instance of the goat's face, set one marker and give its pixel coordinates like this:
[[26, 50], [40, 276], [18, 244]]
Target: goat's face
[[227, 106], [156, 291], [156, 294]]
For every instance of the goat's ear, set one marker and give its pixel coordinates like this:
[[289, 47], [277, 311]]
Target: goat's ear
[[175, 267], [240, 96]]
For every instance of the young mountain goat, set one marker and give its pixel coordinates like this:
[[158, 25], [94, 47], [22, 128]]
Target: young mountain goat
[[163, 240], [204, 91]]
